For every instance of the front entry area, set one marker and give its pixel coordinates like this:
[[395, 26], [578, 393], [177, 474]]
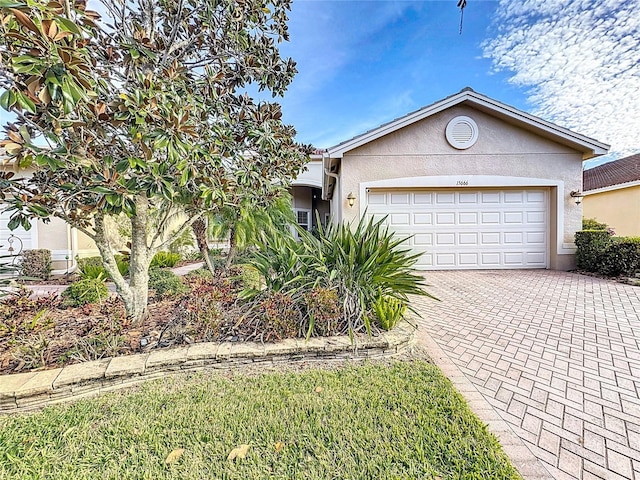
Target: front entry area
[[464, 228]]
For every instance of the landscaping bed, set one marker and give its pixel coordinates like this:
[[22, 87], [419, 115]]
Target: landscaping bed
[[44, 332]]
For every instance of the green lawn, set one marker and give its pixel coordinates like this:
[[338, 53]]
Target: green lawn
[[375, 421]]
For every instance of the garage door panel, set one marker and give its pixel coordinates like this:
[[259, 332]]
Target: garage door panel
[[513, 217], [445, 260], [490, 218], [468, 228], [513, 258], [490, 197], [490, 238], [536, 217], [399, 219], [468, 218], [536, 197], [536, 238], [469, 259], [376, 198], [537, 258], [513, 197], [423, 219], [468, 239], [446, 218], [468, 198], [513, 238], [423, 198], [445, 239], [445, 198], [490, 259], [423, 239], [399, 199]]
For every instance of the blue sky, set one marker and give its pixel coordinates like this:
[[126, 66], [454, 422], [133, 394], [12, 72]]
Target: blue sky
[[363, 63]]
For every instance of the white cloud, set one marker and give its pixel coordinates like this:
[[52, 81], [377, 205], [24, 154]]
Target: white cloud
[[580, 60]]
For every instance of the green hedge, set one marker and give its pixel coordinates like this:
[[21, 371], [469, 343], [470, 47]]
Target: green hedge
[[591, 245], [599, 252], [622, 256]]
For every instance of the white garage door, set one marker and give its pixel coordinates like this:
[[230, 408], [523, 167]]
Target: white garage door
[[468, 229]]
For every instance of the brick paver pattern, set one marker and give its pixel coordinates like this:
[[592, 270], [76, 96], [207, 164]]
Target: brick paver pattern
[[557, 355]]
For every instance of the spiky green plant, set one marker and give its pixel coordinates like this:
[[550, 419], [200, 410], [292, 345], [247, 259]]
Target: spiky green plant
[[362, 262]]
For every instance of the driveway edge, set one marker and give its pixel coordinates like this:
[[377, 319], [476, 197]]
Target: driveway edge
[[521, 457]]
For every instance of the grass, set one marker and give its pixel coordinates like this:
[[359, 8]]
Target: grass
[[399, 421]]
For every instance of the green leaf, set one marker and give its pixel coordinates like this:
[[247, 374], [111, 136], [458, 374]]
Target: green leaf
[[14, 222], [10, 4], [51, 77], [68, 25], [102, 190], [122, 166], [7, 100], [39, 210], [25, 102]]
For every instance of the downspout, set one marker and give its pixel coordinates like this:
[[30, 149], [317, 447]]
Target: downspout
[[325, 187], [328, 173]]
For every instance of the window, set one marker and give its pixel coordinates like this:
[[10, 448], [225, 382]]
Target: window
[[303, 217]]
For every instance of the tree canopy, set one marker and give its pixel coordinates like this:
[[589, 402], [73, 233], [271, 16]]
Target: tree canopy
[[142, 108]]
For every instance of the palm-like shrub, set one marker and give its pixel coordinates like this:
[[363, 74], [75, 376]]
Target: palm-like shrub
[[361, 264], [367, 262]]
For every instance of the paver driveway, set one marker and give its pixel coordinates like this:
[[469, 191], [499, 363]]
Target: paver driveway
[[556, 354]]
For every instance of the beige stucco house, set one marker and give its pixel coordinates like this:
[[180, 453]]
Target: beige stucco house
[[476, 183], [612, 195]]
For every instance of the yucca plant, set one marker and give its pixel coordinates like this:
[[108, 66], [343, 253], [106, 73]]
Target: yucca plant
[[283, 263], [367, 261], [360, 263]]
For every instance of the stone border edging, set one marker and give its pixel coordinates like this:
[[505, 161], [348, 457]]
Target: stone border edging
[[23, 392], [527, 464]]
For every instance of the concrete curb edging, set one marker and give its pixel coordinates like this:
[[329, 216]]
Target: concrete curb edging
[[23, 392], [519, 454]]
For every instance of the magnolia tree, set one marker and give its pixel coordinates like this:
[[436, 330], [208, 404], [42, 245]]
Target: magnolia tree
[[142, 113]]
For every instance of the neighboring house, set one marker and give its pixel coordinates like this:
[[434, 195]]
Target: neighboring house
[[612, 195], [477, 183]]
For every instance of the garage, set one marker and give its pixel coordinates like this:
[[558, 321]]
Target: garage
[[468, 228], [477, 183]]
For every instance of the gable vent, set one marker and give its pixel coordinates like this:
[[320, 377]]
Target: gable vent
[[462, 132]]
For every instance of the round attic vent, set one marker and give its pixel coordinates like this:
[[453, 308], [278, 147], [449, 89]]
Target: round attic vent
[[462, 132]]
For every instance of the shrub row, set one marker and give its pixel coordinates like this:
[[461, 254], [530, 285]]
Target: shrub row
[[600, 252], [36, 264], [92, 267]]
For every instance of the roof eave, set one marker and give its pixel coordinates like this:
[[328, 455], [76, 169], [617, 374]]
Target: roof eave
[[589, 147]]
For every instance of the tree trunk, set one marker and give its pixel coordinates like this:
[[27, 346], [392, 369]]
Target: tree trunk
[[232, 247], [141, 256], [199, 228], [135, 293]]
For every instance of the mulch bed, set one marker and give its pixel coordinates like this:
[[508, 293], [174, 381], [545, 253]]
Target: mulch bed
[[40, 332]]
